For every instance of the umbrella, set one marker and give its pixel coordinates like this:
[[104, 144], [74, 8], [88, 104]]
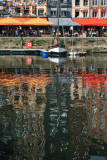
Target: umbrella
[[38, 22], [10, 21]]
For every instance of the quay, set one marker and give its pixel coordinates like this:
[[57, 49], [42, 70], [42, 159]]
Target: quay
[[12, 45], [19, 52]]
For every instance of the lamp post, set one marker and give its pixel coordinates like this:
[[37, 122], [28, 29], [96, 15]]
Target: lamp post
[[21, 35]]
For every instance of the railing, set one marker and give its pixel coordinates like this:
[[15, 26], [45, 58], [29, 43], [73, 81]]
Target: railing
[[29, 16]]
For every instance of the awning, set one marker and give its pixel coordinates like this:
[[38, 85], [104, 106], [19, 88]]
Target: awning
[[9, 21], [76, 10], [37, 22], [85, 10], [91, 21], [103, 10], [95, 10], [63, 22]]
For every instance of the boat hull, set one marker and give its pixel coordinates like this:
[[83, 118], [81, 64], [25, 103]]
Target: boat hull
[[44, 54], [58, 51]]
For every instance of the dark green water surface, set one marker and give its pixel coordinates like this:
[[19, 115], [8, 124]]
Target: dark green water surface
[[53, 109]]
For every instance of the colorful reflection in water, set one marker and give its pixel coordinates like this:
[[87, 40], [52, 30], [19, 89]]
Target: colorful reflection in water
[[51, 111]]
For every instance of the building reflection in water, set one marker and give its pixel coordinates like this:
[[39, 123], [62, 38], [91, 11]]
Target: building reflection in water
[[60, 115], [22, 106], [57, 115], [89, 116]]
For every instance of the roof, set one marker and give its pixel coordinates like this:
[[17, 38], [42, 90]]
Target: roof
[[63, 22]]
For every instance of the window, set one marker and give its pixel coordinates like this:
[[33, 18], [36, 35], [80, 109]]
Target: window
[[103, 2], [64, 13], [85, 2], [53, 13], [77, 2], [17, 11], [26, 11], [94, 14], [103, 14], [85, 14], [40, 12], [94, 2], [76, 13]]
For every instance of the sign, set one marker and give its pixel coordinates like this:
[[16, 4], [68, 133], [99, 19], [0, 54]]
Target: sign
[[28, 60], [29, 44]]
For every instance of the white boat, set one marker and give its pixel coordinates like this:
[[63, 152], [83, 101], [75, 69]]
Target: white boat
[[56, 49], [73, 53]]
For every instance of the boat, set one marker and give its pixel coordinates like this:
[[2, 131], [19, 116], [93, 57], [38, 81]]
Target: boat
[[44, 53], [73, 53], [57, 49]]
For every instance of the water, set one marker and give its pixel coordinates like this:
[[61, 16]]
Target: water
[[53, 109]]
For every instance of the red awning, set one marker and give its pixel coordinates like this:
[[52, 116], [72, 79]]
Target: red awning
[[85, 10], [95, 10], [76, 10], [91, 21], [104, 10]]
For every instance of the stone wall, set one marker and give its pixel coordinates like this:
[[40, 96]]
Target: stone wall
[[90, 44]]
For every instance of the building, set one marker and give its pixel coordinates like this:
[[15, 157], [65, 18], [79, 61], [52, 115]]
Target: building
[[31, 8], [65, 8], [64, 12], [99, 8], [89, 8], [80, 9], [5, 7]]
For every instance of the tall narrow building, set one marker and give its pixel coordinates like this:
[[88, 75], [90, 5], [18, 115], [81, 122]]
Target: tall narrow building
[[89, 8], [80, 8], [64, 12]]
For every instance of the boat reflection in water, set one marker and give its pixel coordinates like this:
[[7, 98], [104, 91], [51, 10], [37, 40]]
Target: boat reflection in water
[[57, 60], [53, 109]]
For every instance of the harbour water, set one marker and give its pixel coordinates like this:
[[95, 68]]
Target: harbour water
[[53, 109]]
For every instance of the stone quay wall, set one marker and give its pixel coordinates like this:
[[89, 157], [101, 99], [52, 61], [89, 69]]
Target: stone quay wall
[[90, 44]]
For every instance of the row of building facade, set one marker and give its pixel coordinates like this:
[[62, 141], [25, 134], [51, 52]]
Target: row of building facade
[[48, 8]]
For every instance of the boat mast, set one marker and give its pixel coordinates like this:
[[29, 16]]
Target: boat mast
[[58, 20]]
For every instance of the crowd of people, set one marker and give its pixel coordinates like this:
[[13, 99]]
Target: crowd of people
[[19, 31], [33, 32]]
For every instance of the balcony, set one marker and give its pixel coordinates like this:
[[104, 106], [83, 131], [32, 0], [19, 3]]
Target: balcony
[[29, 16]]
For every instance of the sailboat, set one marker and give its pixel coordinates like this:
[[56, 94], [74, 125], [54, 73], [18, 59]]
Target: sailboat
[[73, 52], [57, 49]]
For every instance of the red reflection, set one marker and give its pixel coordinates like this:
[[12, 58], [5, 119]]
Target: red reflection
[[94, 80], [28, 60]]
